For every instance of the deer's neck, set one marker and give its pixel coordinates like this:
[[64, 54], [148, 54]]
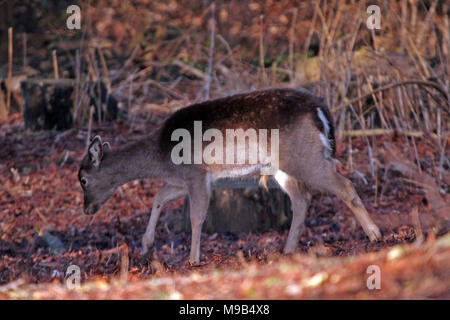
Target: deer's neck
[[138, 160]]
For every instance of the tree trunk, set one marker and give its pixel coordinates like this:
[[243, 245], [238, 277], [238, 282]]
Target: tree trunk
[[241, 206]]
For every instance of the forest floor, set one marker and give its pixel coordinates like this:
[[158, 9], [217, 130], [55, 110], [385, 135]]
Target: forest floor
[[43, 231]]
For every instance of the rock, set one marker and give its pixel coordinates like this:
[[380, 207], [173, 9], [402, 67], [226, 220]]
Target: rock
[[53, 243]]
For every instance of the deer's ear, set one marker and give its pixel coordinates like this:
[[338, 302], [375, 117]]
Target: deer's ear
[[95, 151], [106, 145]]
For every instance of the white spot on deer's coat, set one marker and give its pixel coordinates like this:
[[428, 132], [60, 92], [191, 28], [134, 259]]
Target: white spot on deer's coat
[[281, 178]]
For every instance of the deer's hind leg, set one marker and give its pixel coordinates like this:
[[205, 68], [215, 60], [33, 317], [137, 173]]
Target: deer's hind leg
[[325, 178], [199, 194], [164, 195], [300, 199]]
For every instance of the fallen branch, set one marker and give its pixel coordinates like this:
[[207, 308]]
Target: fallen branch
[[186, 68], [396, 84], [165, 89], [380, 132]]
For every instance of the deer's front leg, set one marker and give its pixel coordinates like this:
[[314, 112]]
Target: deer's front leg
[[166, 194], [199, 201]]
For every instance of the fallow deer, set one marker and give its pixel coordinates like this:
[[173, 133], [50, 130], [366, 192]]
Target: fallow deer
[[306, 160]]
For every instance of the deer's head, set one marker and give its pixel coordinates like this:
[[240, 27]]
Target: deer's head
[[95, 178]]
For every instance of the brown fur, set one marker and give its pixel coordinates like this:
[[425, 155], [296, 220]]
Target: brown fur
[[264, 109]]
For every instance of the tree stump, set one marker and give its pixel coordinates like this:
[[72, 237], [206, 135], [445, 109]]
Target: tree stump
[[49, 103], [241, 206]]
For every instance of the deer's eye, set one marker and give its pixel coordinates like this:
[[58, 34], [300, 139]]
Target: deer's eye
[[83, 182]]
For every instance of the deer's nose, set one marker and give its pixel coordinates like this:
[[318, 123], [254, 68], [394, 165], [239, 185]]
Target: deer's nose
[[91, 209]]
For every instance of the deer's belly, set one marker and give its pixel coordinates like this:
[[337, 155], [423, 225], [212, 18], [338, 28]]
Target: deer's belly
[[235, 172]]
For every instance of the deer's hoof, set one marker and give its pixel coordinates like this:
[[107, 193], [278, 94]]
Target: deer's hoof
[[373, 233]]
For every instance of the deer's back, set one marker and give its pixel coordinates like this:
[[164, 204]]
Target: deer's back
[[264, 109]]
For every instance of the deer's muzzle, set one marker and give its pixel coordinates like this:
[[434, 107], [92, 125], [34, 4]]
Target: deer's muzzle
[[91, 209]]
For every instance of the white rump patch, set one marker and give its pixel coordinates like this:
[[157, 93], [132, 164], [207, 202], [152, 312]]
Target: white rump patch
[[324, 137], [322, 117], [281, 178], [325, 142]]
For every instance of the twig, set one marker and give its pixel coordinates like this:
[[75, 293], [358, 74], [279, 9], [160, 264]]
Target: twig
[[107, 79], [127, 63], [130, 90], [428, 17], [55, 64], [404, 12], [192, 70], [24, 45], [396, 84], [211, 51], [261, 49], [311, 29], [92, 73], [350, 151], [3, 110], [88, 136], [379, 132], [167, 90], [77, 85], [292, 44], [124, 262], [32, 247], [10, 58], [394, 158], [417, 225], [227, 46]]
